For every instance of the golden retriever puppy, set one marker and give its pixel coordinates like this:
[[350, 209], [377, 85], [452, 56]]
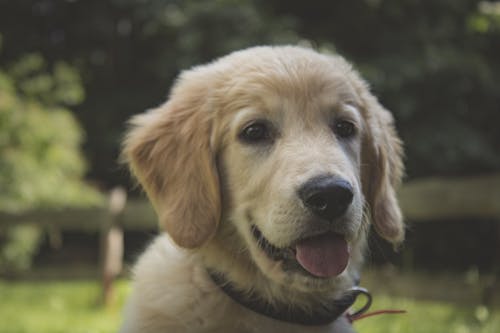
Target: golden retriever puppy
[[266, 168]]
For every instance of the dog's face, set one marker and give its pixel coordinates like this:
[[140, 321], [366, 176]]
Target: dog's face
[[282, 154], [291, 163]]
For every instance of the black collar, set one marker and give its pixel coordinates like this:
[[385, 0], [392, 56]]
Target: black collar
[[284, 312]]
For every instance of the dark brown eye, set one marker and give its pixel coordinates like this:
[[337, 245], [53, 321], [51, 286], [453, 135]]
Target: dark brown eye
[[256, 132], [344, 129]]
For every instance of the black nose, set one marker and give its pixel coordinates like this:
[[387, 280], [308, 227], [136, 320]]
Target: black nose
[[328, 197]]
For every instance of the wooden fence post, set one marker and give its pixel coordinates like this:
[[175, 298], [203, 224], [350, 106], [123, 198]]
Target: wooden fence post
[[112, 243]]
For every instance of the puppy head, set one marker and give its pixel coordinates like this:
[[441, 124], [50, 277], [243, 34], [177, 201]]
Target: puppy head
[[308, 154], [278, 152]]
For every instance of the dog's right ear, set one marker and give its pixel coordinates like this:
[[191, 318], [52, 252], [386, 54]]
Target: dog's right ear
[[383, 170], [169, 151]]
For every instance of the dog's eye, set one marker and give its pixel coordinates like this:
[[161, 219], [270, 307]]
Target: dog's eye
[[344, 129], [256, 132]]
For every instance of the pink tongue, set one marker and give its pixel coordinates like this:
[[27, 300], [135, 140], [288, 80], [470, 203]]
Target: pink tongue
[[323, 256]]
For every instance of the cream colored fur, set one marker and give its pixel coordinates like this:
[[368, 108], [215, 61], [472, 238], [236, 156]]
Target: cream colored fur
[[208, 187]]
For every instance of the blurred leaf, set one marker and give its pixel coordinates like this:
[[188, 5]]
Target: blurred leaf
[[68, 89]]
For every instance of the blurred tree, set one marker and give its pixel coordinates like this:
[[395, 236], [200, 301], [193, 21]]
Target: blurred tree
[[40, 160], [433, 63], [41, 164]]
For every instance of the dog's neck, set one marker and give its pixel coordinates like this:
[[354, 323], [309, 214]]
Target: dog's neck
[[319, 316]]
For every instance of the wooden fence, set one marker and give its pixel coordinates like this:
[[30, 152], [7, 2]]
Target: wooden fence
[[421, 200], [433, 199]]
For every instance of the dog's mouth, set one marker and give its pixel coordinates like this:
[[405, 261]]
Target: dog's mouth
[[322, 256]]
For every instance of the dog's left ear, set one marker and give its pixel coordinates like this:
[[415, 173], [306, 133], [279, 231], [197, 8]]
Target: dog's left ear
[[170, 152], [382, 170]]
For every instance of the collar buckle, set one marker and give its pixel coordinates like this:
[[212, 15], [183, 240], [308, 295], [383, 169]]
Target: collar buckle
[[354, 292]]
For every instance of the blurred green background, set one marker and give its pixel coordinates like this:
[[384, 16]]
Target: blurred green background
[[72, 72]]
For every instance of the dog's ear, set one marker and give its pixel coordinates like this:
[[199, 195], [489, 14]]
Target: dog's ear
[[169, 151], [382, 170]]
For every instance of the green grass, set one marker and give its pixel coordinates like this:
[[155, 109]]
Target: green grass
[[429, 317], [58, 307], [72, 306]]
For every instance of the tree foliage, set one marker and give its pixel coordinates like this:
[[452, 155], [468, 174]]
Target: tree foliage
[[41, 164], [433, 63]]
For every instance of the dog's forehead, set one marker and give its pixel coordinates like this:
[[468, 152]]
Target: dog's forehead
[[285, 90], [284, 98]]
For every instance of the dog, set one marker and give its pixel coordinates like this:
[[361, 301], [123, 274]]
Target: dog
[[266, 168]]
